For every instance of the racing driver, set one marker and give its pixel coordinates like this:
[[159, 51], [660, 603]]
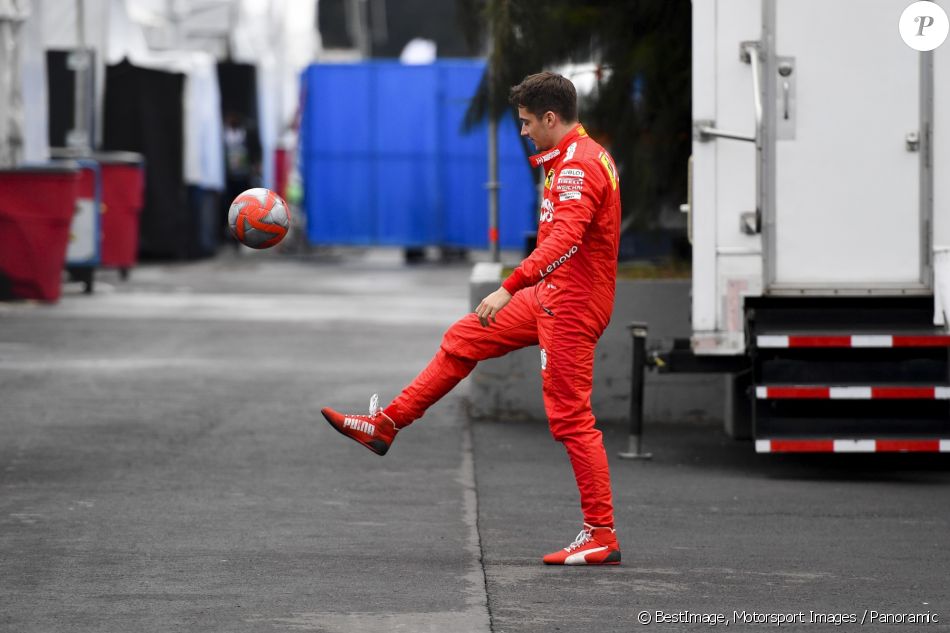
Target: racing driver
[[560, 298]]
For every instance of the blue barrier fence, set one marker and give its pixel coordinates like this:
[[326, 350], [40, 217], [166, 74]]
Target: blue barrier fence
[[385, 160]]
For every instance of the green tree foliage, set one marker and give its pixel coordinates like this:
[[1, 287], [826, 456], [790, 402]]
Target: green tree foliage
[[641, 107]]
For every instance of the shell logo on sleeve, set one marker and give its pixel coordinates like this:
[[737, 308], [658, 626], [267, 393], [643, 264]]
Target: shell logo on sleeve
[[609, 167]]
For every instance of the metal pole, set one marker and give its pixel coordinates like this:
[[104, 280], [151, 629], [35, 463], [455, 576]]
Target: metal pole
[[358, 25], [79, 62], [638, 331], [493, 185]]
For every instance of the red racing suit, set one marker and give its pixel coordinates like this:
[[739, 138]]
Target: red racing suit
[[563, 296]]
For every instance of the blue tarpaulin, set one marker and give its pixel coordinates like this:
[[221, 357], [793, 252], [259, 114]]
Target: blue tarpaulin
[[385, 159]]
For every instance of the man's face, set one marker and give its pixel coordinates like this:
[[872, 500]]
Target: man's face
[[538, 129]]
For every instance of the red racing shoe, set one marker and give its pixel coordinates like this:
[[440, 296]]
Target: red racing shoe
[[593, 546], [375, 431]]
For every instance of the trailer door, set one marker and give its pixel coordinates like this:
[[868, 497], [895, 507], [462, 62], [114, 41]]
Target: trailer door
[[844, 212]]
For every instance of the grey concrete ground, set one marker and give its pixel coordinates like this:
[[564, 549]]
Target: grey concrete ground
[[163, 468]]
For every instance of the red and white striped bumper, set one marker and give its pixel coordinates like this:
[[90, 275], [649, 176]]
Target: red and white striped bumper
[[854, 340], [821, 392], [852, 446]]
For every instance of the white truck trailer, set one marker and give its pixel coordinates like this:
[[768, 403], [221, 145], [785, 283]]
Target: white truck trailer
[[819, 216]]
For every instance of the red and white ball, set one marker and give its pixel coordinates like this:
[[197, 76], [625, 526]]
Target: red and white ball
[[259, 218]]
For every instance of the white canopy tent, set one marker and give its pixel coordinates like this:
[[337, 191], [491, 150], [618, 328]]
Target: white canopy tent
[[279, 37], [22, 99]]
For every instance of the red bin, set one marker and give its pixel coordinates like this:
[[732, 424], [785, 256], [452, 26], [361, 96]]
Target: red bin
[[36, 208], [123, 194]]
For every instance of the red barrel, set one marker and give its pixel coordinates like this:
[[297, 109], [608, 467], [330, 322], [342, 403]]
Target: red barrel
[[282, 167], [36, 207], [123, 194]]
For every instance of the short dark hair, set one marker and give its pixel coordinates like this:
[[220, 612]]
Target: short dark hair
[[546, 91]]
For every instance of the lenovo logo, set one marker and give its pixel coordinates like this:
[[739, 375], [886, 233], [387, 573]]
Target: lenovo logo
[[555, 264]]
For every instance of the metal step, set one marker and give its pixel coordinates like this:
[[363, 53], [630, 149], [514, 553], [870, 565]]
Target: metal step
[[848, 375], [851, 418], [855, 366], [886, 315]]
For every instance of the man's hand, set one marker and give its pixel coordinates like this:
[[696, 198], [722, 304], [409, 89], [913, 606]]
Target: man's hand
[[492, 305]]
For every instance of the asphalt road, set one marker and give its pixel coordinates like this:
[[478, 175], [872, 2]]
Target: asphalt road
[[163, 467]]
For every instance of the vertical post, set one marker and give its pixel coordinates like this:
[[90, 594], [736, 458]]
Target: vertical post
[[638, 331], [357, 25], [80, 62], [492, 185]]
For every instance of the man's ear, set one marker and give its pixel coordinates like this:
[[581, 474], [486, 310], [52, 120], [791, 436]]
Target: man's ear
[[550, 119]]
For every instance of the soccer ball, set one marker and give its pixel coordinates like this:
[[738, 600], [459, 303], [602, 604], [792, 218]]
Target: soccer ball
[[259, 218]]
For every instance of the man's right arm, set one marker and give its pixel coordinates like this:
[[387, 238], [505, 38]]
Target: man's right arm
[[573, 212]]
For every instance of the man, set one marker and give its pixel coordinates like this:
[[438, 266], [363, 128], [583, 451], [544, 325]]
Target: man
[[560, 297]]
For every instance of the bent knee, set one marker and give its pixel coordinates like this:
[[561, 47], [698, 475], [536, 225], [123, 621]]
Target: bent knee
[[457, 340]]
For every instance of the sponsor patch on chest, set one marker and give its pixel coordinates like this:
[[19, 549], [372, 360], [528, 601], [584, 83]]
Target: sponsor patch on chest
[[610, 168], [570, 180]]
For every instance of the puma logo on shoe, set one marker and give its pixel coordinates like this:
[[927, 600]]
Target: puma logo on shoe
[[580, 558], [359, 425], [593, 546]]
